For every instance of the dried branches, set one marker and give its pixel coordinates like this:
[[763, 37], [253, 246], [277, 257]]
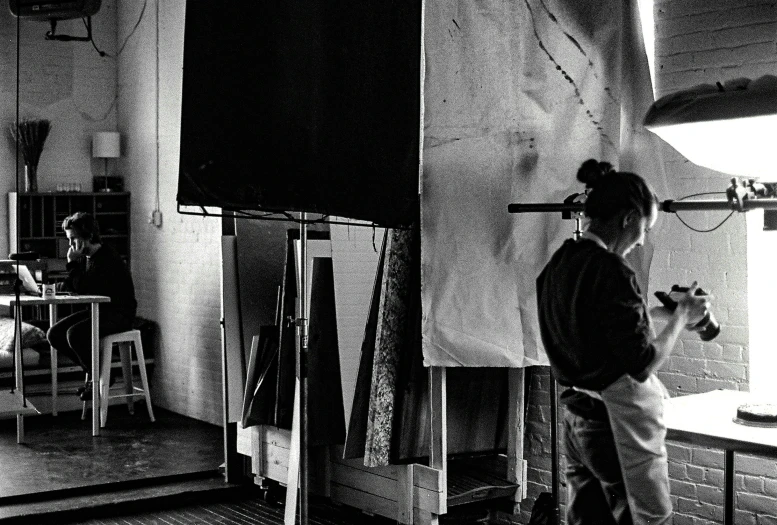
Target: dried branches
[[30, 135]]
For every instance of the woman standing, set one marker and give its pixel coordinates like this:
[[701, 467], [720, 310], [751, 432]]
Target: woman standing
[[597, 333]]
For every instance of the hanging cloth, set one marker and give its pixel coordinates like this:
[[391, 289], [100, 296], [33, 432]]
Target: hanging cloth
[[517, 95]]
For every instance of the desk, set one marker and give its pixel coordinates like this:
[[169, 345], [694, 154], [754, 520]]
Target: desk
[[707, 420], [52, 303]]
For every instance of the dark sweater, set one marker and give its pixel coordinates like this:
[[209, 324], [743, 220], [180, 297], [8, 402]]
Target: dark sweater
[[593, 320], [107, 275]]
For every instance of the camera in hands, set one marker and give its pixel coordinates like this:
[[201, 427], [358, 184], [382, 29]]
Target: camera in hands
[[708, 328]]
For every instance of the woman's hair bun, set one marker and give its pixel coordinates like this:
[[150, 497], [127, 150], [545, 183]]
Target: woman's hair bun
[[592, 171]]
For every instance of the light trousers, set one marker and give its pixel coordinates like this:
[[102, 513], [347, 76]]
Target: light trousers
[[617, 473], [636, 412]]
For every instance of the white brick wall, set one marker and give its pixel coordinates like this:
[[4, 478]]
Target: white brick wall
[[65, 82], [706, 42], [176, 267]]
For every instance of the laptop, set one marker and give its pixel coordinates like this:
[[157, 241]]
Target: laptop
[[8, 270]]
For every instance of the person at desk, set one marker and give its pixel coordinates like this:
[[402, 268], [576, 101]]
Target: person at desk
[[93, 268], [597, 333]]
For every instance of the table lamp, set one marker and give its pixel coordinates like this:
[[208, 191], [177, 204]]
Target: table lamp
[[106, 145]]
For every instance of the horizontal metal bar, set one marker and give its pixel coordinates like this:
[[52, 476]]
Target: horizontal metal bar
[[543, 207], [669, 206], [278, 216], [707, 205]]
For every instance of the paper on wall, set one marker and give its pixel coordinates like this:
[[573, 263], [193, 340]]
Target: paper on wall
[[517, 96]]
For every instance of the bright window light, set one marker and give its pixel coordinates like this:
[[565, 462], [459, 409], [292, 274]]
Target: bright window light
[[649, 37], [739, 146], [761, 291]]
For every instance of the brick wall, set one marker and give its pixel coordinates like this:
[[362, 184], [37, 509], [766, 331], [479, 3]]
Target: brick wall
[[707, 42], [176, 267], [697, 41], [65, 82], [537, 444]]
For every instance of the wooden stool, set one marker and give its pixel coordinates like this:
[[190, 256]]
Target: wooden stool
[[125, 341]]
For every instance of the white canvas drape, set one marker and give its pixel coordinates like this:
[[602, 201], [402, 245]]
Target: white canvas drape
[[517, 95]]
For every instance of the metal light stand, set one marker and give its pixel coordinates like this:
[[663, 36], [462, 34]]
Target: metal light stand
[[302, 373], [18, 356], [741, 196]]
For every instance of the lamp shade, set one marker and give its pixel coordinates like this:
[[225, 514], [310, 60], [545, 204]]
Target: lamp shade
[[728, 130], [106, 144]]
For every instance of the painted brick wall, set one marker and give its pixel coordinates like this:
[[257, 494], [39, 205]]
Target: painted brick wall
[[707, 42], [65, 82], [176, 267], [697, 41], [537, 444]]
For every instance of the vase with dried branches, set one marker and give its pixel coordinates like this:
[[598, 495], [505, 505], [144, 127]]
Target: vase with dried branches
[[30, 135]]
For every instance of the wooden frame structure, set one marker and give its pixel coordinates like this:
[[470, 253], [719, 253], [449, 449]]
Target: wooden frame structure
[[413, 494]]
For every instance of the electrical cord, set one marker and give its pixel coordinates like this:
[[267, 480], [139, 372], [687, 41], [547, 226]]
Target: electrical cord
[[140, 18], [91, 39], [703, 195], [705, 231], [126, 40]]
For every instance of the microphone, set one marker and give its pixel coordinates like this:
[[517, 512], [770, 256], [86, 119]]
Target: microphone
[[24, 256]]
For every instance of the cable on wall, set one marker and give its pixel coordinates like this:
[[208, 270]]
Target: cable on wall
[[140, 18], [156, 216], [126, 39]]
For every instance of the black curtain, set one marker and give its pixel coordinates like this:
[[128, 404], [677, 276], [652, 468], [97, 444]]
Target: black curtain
[[303, 106]]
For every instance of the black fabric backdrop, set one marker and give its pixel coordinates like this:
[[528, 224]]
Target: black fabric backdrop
[[303, 106]]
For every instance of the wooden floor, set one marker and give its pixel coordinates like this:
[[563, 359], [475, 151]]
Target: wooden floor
[[62, 474], [245, 512], [60, 454]]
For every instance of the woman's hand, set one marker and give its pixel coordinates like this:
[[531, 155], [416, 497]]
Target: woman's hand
[[75, 252], [693, 307]]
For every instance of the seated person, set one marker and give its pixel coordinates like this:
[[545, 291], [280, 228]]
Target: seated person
[[93, 268]]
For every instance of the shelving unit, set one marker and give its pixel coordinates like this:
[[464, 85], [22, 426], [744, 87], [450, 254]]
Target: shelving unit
[[40, 215]]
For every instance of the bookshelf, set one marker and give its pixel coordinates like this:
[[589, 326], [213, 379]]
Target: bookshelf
[[37, 218]]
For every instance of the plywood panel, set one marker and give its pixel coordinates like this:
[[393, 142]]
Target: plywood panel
[[280, 437], [244, 439], [428, 478], [233, 332], [405, 494], [371, 503], [386, 472], [428, 500], [365, 481], [275, 456], [277, 473], [355, 253]]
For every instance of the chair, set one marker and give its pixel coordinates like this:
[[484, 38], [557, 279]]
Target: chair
[[125, 341]]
